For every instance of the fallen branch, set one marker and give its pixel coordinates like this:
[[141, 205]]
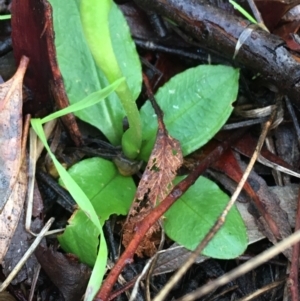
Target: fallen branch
[[219, 32]]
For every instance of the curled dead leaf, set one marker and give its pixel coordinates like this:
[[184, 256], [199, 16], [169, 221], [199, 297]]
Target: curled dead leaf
[[11, 131], [164, 161], [156, 183]]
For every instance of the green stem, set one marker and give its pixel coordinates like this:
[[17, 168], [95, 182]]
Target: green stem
[[95, 20]]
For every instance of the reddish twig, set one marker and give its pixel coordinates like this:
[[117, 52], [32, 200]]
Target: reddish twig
[[293, 277], [142, 228], [123, 289]]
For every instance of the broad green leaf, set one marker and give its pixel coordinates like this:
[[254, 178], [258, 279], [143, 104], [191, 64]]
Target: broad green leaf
[[88, 210], [196, 104], [109, 193], [193, 215], [80, 72], [81, 238]]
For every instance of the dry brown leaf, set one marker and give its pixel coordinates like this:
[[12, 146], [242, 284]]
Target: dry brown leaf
[[11, 131], [156, 183], [68, 275], [10, 215], [165, 159]]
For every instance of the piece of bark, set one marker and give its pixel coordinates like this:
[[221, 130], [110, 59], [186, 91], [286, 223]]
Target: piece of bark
[[68, 275], [219, 32], [33, 35]]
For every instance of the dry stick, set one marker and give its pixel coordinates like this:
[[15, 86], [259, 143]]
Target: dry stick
[[133, 281], [31, 178], [123, 289], [147, 271], [219, 223], [142, 228], [224, 292], [153, 263], [25, 136], [158, 111], [48, 129], [257, 15], [293, 278], [263, 290], [244, 268], [34, 281], [34, 153]]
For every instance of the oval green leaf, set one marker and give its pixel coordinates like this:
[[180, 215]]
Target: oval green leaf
[[109, 193], [196, 104], [193, 215]]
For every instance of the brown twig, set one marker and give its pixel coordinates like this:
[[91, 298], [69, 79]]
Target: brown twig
[[158, 111], [142, 228], [25, 135], [263, 290], [123, 289], [257, 15]]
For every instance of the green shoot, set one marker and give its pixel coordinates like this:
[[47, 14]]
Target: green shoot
[[95, 20], [5, 17], [242, 11]]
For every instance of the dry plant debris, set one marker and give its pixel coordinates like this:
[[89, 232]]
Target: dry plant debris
[[13, 172], [11, 131], [10, 215]]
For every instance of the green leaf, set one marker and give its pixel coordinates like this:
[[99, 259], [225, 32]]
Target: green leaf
[[117, 55], [80, 72], [5, 17], [88, 210], [85, 103], [193, 215], [109, 192], [80, 237], [196, 104]]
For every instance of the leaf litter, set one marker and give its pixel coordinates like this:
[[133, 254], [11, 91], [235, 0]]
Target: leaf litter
[[11, 131], [13, 171], [152, 168]]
